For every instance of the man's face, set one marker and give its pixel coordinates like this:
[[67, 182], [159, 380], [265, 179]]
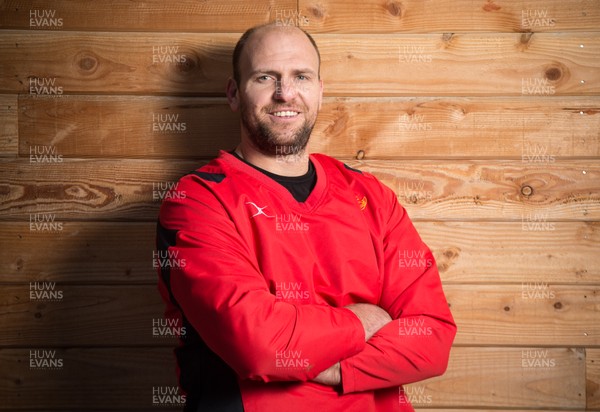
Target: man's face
[[279, 93]]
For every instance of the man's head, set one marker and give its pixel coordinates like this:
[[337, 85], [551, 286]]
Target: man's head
[[276, 87]]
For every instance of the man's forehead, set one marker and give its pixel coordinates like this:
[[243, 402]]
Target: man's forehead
[[279, 43]]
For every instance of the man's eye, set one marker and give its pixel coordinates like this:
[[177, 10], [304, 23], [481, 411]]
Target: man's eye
[[263, 78], [302, 77]]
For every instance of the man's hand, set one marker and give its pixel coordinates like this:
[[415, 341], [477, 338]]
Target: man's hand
[[331, 376], [372, 317]]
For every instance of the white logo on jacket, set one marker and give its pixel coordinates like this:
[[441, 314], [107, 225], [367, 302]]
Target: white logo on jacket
[[259, 210]]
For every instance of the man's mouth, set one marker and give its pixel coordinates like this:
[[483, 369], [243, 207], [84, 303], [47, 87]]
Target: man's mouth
[[285, 113]]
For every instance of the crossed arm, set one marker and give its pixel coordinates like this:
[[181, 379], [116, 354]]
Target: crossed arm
[[373, 318], [223, 294]]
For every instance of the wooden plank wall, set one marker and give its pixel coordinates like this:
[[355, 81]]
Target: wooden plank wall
[[483, 116]]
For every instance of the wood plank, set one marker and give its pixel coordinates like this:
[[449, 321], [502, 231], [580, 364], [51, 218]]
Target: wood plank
[[482, 127], [592, 376], [529, 128], [80, 252], [466, 252], [457, 190], [492, 190], [539, 378], [117, 378], [86, 189], [109, 63], [323, 16], [128, 126], [109, 379], [8, 126], [360, 16], [474, 64], [52, 314], [151, 15], [491, 64], [531, 313], [475, 252]]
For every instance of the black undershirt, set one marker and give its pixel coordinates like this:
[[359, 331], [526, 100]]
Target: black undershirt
[[299, 186]]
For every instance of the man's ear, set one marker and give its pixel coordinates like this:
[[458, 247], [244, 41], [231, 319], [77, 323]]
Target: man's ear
[[232, 92]]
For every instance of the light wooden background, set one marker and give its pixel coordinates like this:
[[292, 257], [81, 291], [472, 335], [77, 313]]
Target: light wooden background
[[483, 115]]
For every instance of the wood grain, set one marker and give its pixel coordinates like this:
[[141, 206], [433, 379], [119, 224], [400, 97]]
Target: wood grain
[[360, 16], [52, 314], [86, 189], [488, 64], [529, 128], [466, 252], [492, 190], [80, 252], [113, 63], [499, 252], [322, 16], [531, 193], [492, 64], [119, 378], [111, 378], [8, 126], [592, 376], [508, 378], [151, 15], [127, 126], [530, 313]]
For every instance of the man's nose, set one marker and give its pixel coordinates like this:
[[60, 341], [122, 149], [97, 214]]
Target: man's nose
[[285, 90]]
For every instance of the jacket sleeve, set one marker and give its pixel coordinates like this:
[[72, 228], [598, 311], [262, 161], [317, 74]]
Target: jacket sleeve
[[416, 344], [219, 287]]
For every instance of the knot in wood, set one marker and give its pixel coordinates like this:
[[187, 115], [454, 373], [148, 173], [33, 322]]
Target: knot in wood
[[360, 155], [394, 8], [553, 73], [87, 62], [527, 190], [317, 11]]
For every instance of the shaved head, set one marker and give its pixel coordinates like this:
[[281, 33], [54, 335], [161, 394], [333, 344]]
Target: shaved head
[[252, 34]]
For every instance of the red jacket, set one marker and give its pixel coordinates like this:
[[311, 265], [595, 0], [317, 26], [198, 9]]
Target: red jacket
[[260, 281]]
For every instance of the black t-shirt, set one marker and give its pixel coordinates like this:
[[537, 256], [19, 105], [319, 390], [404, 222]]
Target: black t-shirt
[[299, 186]]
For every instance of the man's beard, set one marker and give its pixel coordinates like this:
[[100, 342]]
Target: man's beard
[[269, 142]]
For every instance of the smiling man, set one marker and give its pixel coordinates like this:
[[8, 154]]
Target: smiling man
[[301, 282]]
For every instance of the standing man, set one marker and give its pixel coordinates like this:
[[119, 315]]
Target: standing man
[[301, 282]]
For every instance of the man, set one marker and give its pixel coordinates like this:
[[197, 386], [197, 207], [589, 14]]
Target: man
[[301, 283]]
